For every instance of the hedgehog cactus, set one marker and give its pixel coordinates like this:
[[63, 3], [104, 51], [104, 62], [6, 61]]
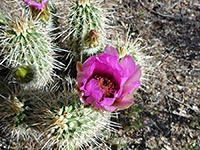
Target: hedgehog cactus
[[15, 113], [12, 111], [71, 126], [68, 117], [56, 120], [86, 23], [26, 48]]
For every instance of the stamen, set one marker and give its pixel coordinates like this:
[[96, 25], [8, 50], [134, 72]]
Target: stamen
[[106, 85]]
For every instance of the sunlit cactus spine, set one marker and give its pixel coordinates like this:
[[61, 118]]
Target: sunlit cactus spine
[[51, 120], [66, 124], [137, 49], [85, 31], [15, 112], [1, 18], [27, 50]]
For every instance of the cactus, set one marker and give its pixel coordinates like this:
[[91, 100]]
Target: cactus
[[71, 126], [137, 50], [26, 45], [1, 18], [49, 119], [58, 120], [14, 113], [85, 27]]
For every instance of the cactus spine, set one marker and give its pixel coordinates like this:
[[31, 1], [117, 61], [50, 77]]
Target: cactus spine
[[27, 50], [15, 112], [71, 126], [137, 49], [85, 28], [56, 120]]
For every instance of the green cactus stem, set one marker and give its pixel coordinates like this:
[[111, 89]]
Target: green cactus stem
[[14, 118], [25, 42], [67, 124], [85, 30]]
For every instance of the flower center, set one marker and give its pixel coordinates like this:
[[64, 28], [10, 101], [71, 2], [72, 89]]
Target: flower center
[[107, 86]]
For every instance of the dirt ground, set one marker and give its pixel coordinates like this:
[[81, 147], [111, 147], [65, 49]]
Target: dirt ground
[[167, 115]]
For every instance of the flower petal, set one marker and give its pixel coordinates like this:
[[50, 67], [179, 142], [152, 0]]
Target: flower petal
[[128, 65], [108, 66], [33, 4], [126, 102], [88, 62], [44, 3], [109, 108], [79, 66], [112, 60], [132, 83], [107, 101], [101, 69], [82, 77], [93, 89], [130, 88], [135, 77], [111, 50]]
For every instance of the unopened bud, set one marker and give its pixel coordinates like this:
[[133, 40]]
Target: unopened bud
[[92, 39], [23, 74]]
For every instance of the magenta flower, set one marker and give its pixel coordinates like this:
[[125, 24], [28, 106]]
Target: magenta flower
[[37, 5], [107, 84]]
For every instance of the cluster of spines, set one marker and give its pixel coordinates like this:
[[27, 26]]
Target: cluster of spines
[[85, 27], [137, 49], [55, 120], [15, 120], [71, 126], [27, 50]]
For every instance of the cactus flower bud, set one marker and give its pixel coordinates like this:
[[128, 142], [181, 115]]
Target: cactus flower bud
[[92, 39], [24, 74]]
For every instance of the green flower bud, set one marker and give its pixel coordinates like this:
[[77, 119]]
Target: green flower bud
[[23, 74]]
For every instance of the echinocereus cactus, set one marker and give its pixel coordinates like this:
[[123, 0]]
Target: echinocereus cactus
[[27, 50], [59, 119], [63, 121], [84, 31], [138, 50], [50, 120], [107, 84], [72, 126], [15, 112]]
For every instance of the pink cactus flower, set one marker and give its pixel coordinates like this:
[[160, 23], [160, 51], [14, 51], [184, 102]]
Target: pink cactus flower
[[107, 84], [37, 5]]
